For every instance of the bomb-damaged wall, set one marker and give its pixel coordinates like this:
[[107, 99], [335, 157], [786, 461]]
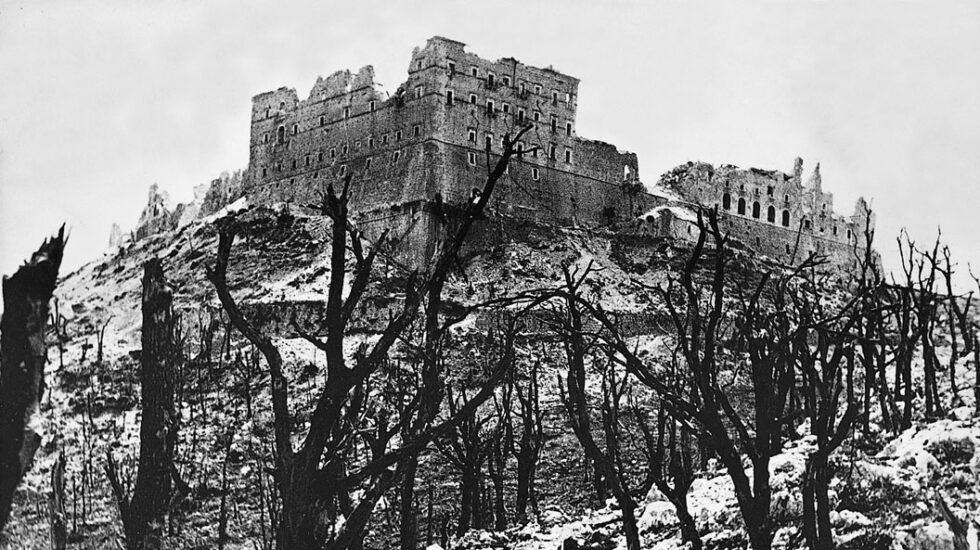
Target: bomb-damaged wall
[[769, 195], [427, 142], [770, 212], [344, 127], [782, 245]]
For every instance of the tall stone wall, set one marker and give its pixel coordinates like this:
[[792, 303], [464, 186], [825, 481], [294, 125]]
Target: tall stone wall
[[426, 144]]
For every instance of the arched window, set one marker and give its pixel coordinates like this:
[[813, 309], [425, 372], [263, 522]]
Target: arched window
[[741, 206], [806, 224], [726, 201], [281, 134], [785, 218], [756, 209], [771, 214]]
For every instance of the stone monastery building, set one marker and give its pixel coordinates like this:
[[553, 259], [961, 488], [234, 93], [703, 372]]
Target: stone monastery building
[[425, 145], [417, 156]]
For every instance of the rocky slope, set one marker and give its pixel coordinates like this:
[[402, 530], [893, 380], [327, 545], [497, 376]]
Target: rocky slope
[[884, 491]]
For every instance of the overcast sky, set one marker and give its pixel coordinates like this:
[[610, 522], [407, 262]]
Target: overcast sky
[[98, 100]]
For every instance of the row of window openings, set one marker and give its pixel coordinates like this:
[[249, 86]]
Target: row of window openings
[[471, 158], [281, 137], [420, 90], [726, 203], [450, 98], [491, 109], [521, 86], [371, 106], [770, 190], [552, 149], [395, 157]]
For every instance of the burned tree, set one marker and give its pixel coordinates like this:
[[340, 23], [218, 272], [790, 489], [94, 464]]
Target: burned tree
[[23, 353], [526, 447], [467, 448], [670, 455], [57, 515], [711, 326], [826, 340], [579, 346], [144, 512], [314, 476]]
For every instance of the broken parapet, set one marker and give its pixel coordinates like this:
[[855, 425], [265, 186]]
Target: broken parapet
[[769, 211], [156, 216], [116, 236], [424, 147], [224, 190]]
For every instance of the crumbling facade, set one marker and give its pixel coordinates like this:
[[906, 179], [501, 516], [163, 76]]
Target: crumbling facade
[[769, 211], [159, 216], [416, 157], [426, 145]]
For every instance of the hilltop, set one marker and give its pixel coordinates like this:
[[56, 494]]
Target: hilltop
[[280, 267]]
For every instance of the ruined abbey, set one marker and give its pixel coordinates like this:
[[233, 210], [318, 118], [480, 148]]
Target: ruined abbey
[[416, 154], [771, 212], [427, 143]]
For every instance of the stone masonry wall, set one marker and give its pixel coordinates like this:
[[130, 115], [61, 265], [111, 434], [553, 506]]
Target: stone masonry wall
[[771, 212], [426, 144]]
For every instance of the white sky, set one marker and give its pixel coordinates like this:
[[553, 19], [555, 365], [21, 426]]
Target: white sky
[[100, 99]]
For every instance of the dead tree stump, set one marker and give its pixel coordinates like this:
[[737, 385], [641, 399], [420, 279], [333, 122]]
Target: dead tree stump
[[144, 514], [23, 353], [56, 505]]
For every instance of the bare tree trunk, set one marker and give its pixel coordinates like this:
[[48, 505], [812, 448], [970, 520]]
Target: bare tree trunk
[[497, 463], [56, 505], [670, 460], [976, 371], [306, 494], [144, 514], [409, 530], [101, 339], [470, 508], [223, 509], [572, 390], [531, 441], [23, 353], [956, 525], [816, 504]]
